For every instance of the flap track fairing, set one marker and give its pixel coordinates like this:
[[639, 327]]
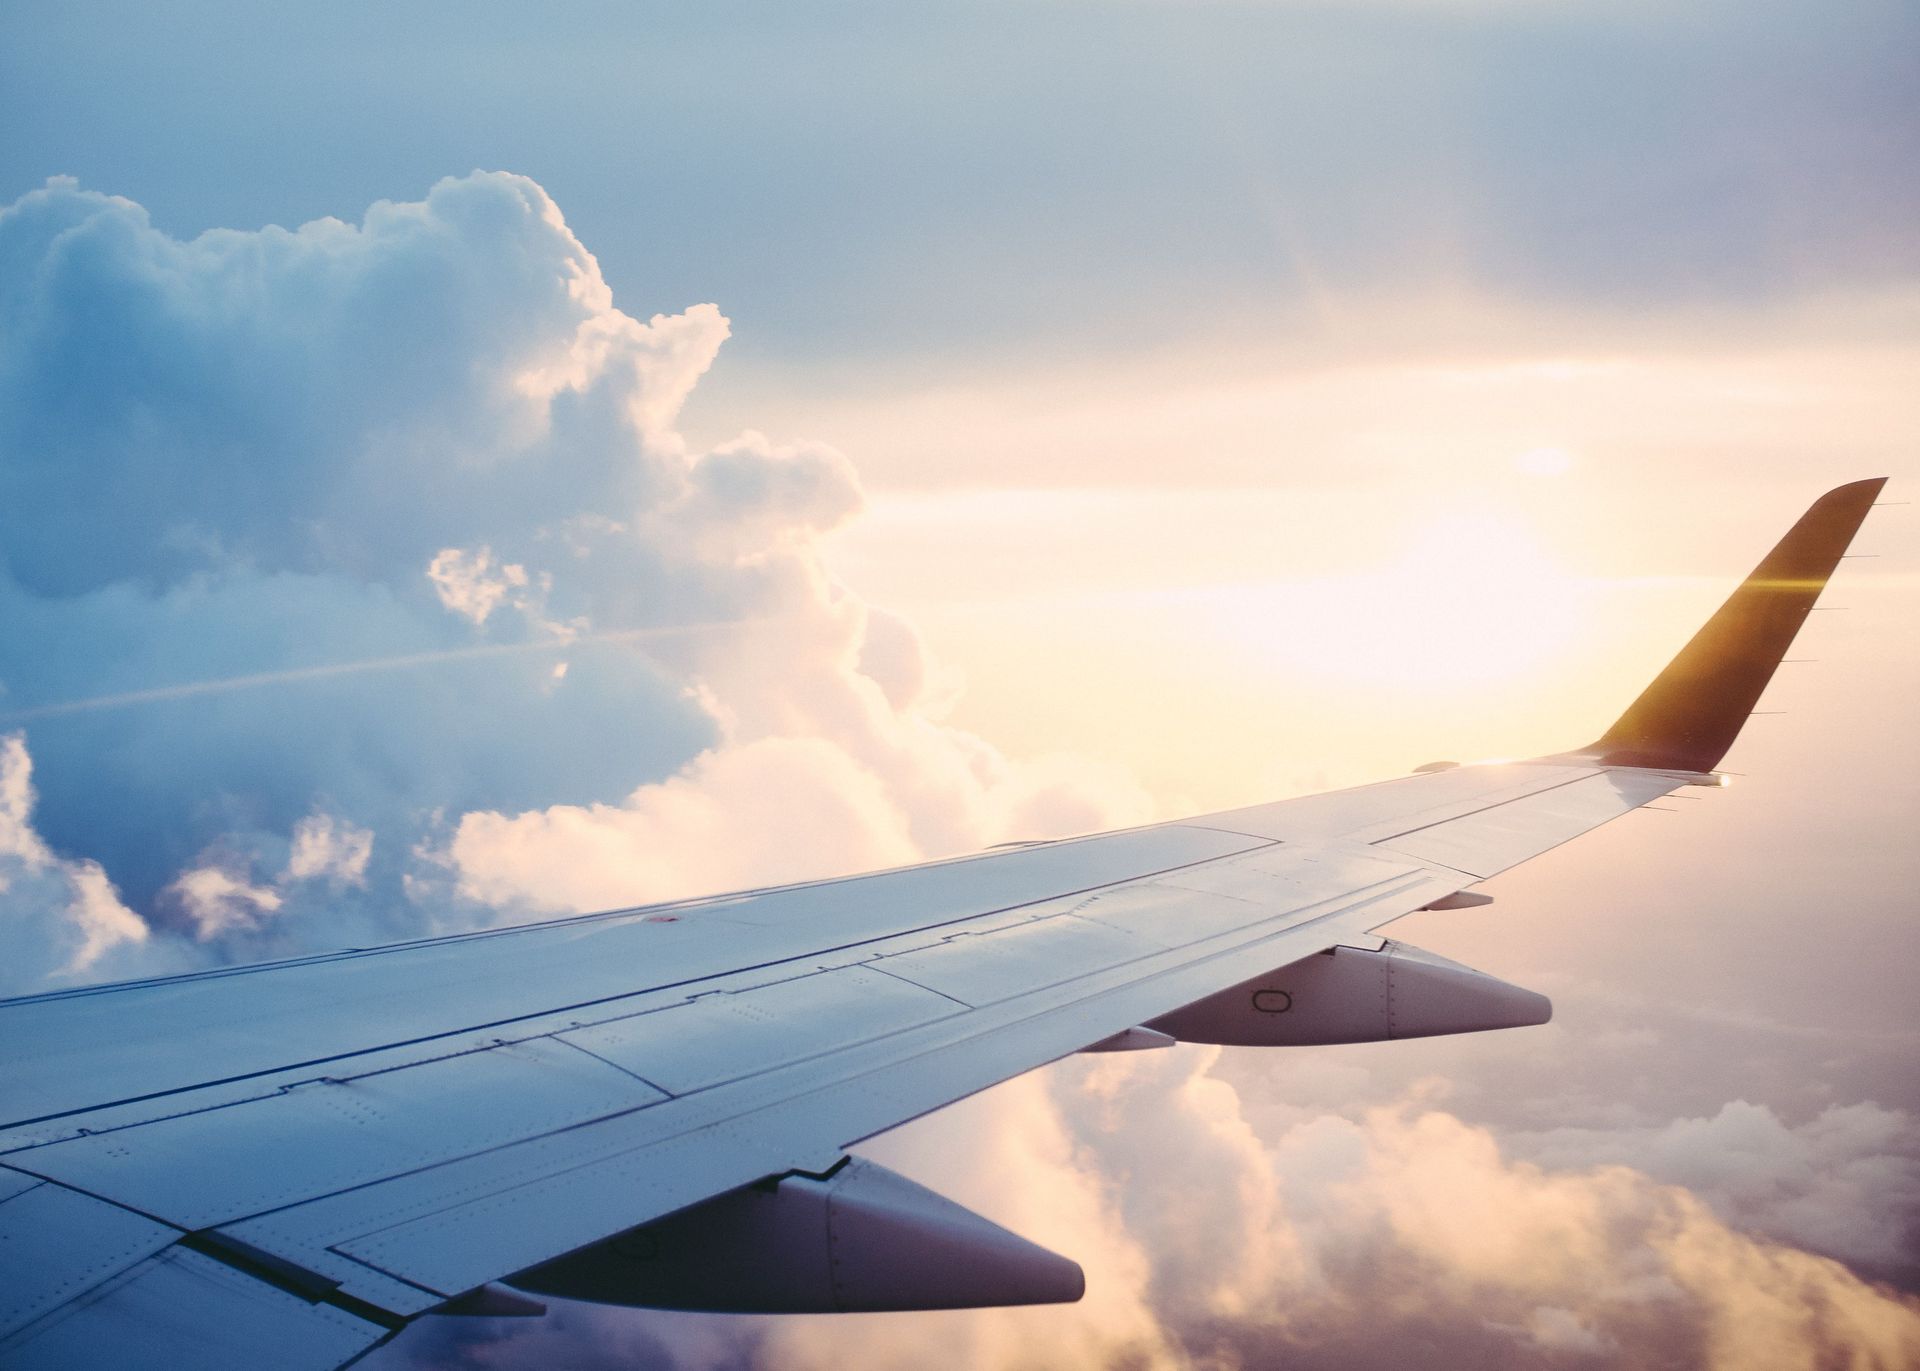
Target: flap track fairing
[[858, 1239]]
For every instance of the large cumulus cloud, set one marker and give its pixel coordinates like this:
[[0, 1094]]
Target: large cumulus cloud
[[352, 573]]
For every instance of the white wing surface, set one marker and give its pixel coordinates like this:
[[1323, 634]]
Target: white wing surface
[[284, 1164]]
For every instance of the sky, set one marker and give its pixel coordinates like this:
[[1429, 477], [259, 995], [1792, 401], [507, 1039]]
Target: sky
[[465, 464]]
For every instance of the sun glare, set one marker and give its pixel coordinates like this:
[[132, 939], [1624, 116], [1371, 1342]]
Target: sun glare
[[1544, 461], [1472, 599]]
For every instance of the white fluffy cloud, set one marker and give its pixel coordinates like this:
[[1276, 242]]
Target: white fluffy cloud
[[1846, 1182], [61, 918], [428, 609], [328, 848], [217, 900], [470, 584], [1339, 1238], [811, 788], [766, 812], [1395, 1233]]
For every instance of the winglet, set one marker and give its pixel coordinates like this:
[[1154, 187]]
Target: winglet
[[1688, 718]]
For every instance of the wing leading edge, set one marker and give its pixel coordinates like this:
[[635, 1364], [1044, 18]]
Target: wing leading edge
[[655, 1107]]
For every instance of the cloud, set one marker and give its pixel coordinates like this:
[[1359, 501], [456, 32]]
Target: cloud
[[1846, 1182], [1352, 1242], [750, 498], [364, 568], [61, 918], [775, 810], [218, 901], [330, 848], [1348, 1240], [469, 584], [768, 812]]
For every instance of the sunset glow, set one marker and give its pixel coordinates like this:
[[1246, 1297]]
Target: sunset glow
[[464, 465]]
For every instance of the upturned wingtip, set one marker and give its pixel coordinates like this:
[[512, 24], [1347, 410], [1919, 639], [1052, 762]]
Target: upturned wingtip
[[1692, 712]]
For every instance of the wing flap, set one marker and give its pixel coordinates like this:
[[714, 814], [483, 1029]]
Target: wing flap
[[374, 1126], [96, 1241], [723, 1036], [187, 1312]]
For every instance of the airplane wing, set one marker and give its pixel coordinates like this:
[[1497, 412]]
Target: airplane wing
[[285, 1164]]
